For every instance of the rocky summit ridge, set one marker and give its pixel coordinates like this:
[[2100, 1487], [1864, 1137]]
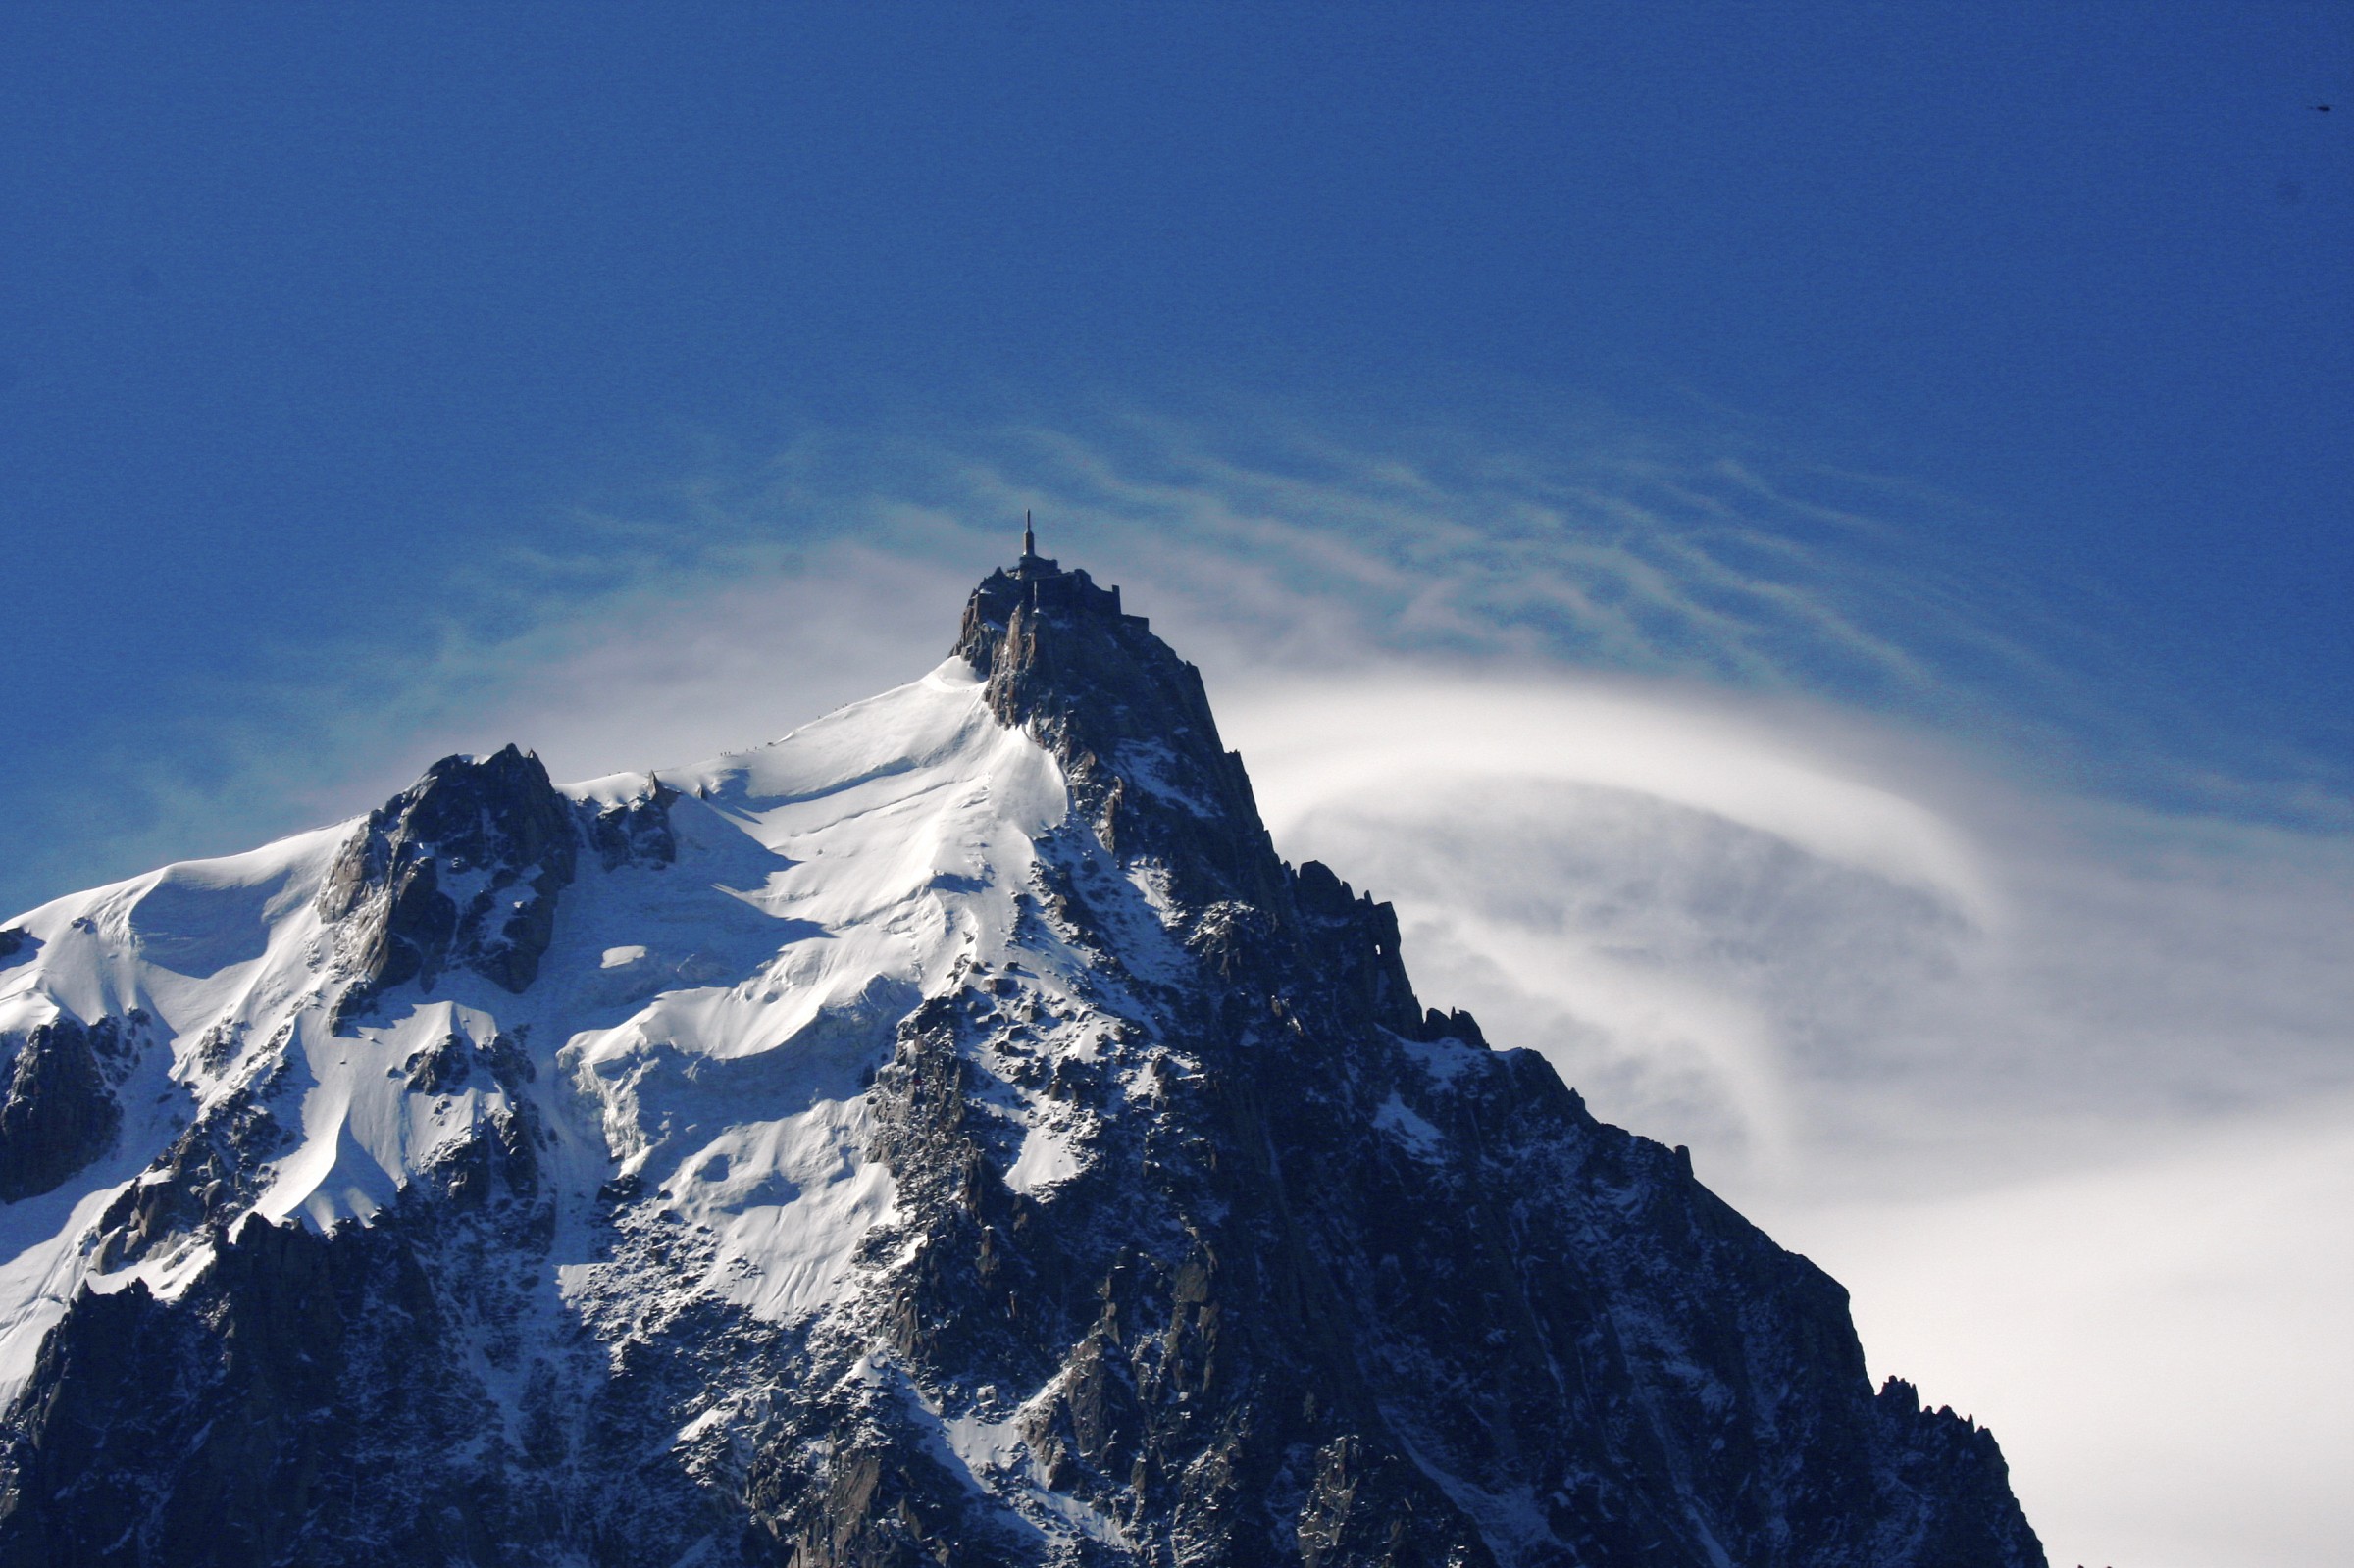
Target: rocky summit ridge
[[949, 1134]]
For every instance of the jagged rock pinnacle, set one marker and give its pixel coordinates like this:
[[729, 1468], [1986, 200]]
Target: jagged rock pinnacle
[[1127, 720]]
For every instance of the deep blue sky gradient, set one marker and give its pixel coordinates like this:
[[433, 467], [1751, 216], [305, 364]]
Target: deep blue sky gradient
[[300, 306]]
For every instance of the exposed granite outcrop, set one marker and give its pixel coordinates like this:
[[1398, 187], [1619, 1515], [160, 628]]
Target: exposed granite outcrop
[[334, 1399], [210, 1173], [636, 832], [464, 867], [1130, 725], [59, 1111]]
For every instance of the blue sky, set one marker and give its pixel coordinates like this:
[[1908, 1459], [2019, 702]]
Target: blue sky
[[307, 310], [1803, 418]]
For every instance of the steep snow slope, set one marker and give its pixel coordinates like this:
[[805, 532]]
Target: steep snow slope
[[947, 1133], [821, 886]]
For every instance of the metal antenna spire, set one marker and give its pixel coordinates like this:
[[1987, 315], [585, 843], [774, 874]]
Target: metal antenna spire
[[1029, 540]]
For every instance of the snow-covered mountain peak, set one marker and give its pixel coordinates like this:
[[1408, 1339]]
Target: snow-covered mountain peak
[[948, 1133]]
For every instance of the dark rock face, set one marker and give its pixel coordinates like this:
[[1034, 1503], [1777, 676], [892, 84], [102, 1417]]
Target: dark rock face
[[463, 867], [300, 1404], [60, 1112], [1519, 1337], [1330, 1283], [17, 942], [636, 832], [1130, 725], [1950, 1489], [213, 1171], [1496, 1330], [328, 1400]]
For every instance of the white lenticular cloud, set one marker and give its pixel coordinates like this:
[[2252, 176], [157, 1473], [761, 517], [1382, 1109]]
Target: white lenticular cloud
[[2159, 1344], [1311, 739], [1682, 897]]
